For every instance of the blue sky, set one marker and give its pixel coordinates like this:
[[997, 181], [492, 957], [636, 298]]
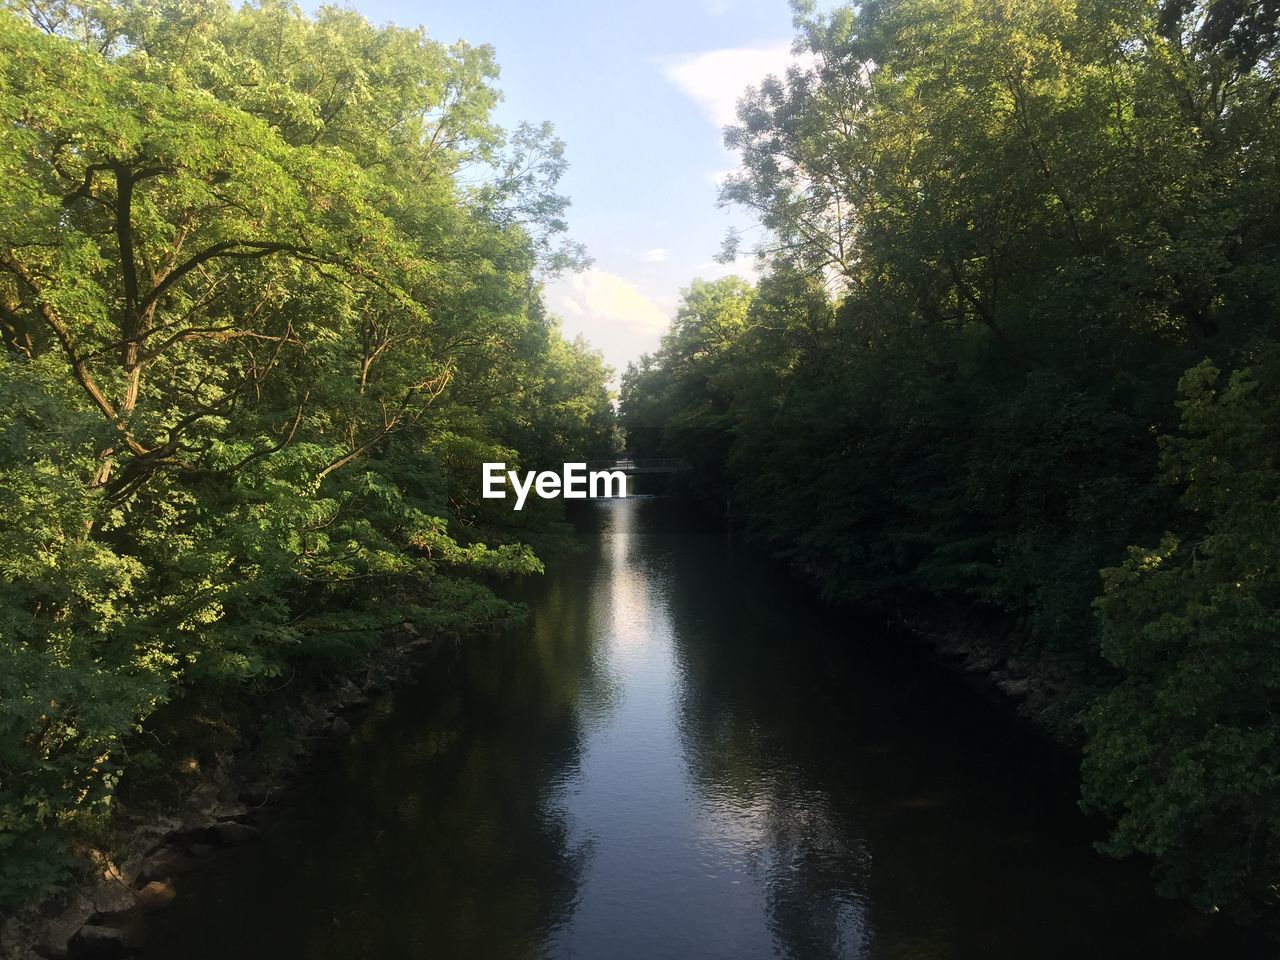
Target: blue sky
[[639, 93]]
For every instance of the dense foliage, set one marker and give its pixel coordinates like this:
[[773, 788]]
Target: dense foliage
[[269, 297], [999, 236]]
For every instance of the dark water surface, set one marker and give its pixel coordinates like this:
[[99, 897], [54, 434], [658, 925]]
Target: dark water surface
[[679, 757]]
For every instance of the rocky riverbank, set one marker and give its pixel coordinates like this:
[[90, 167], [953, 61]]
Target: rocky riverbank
[[1046, 691], [150, 844]]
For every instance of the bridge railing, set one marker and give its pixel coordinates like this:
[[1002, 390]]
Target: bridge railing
[[645, 465]]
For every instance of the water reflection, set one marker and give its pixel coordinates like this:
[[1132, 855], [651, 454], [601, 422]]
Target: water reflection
[[437, 827], [677, 758]]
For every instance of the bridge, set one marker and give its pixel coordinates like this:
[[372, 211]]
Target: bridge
[[628, 465]]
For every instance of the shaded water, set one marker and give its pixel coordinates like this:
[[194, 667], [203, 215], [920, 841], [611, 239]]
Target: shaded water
[[678, 757]]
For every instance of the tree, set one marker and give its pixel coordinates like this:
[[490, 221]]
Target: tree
[[1184, 753], [996, 234], [268, 295]]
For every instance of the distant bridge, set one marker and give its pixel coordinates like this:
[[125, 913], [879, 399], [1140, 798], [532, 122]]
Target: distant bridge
[[627, 465]]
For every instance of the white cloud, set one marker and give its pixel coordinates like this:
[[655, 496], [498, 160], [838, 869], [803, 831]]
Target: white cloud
[[610, 299], [744, 266], [611, 312], [656, 255], [717, 79]]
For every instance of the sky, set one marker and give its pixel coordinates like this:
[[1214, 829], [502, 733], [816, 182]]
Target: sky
[[640, 93]]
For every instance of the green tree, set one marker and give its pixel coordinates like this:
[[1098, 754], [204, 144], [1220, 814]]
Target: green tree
[[996, 234], [1185, 752], [269, 295]]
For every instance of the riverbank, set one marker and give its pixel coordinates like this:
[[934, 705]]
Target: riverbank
[[208, 801], [1034, 685]]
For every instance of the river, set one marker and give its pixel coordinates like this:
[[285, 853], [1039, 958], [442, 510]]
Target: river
[[680, 756]]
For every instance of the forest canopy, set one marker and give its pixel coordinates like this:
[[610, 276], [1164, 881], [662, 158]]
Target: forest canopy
[[269, 296], [1016, 325]]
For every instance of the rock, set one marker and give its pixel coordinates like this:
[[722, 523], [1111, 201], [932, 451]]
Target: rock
[[1017, 688], [200, 840], [111, 898], [319, 727], [204, 799], [12, 938], [131, 868], [977, 666], [164, 864], [255, 796], [196, 823], [223, 761], [9, 933], [231, 833], [92, 942], [56, 941], [230, 811], [145, 838], [340, 727], [151, 834], [156, 895]]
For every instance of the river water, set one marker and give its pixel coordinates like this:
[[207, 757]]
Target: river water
[[680, 756]]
